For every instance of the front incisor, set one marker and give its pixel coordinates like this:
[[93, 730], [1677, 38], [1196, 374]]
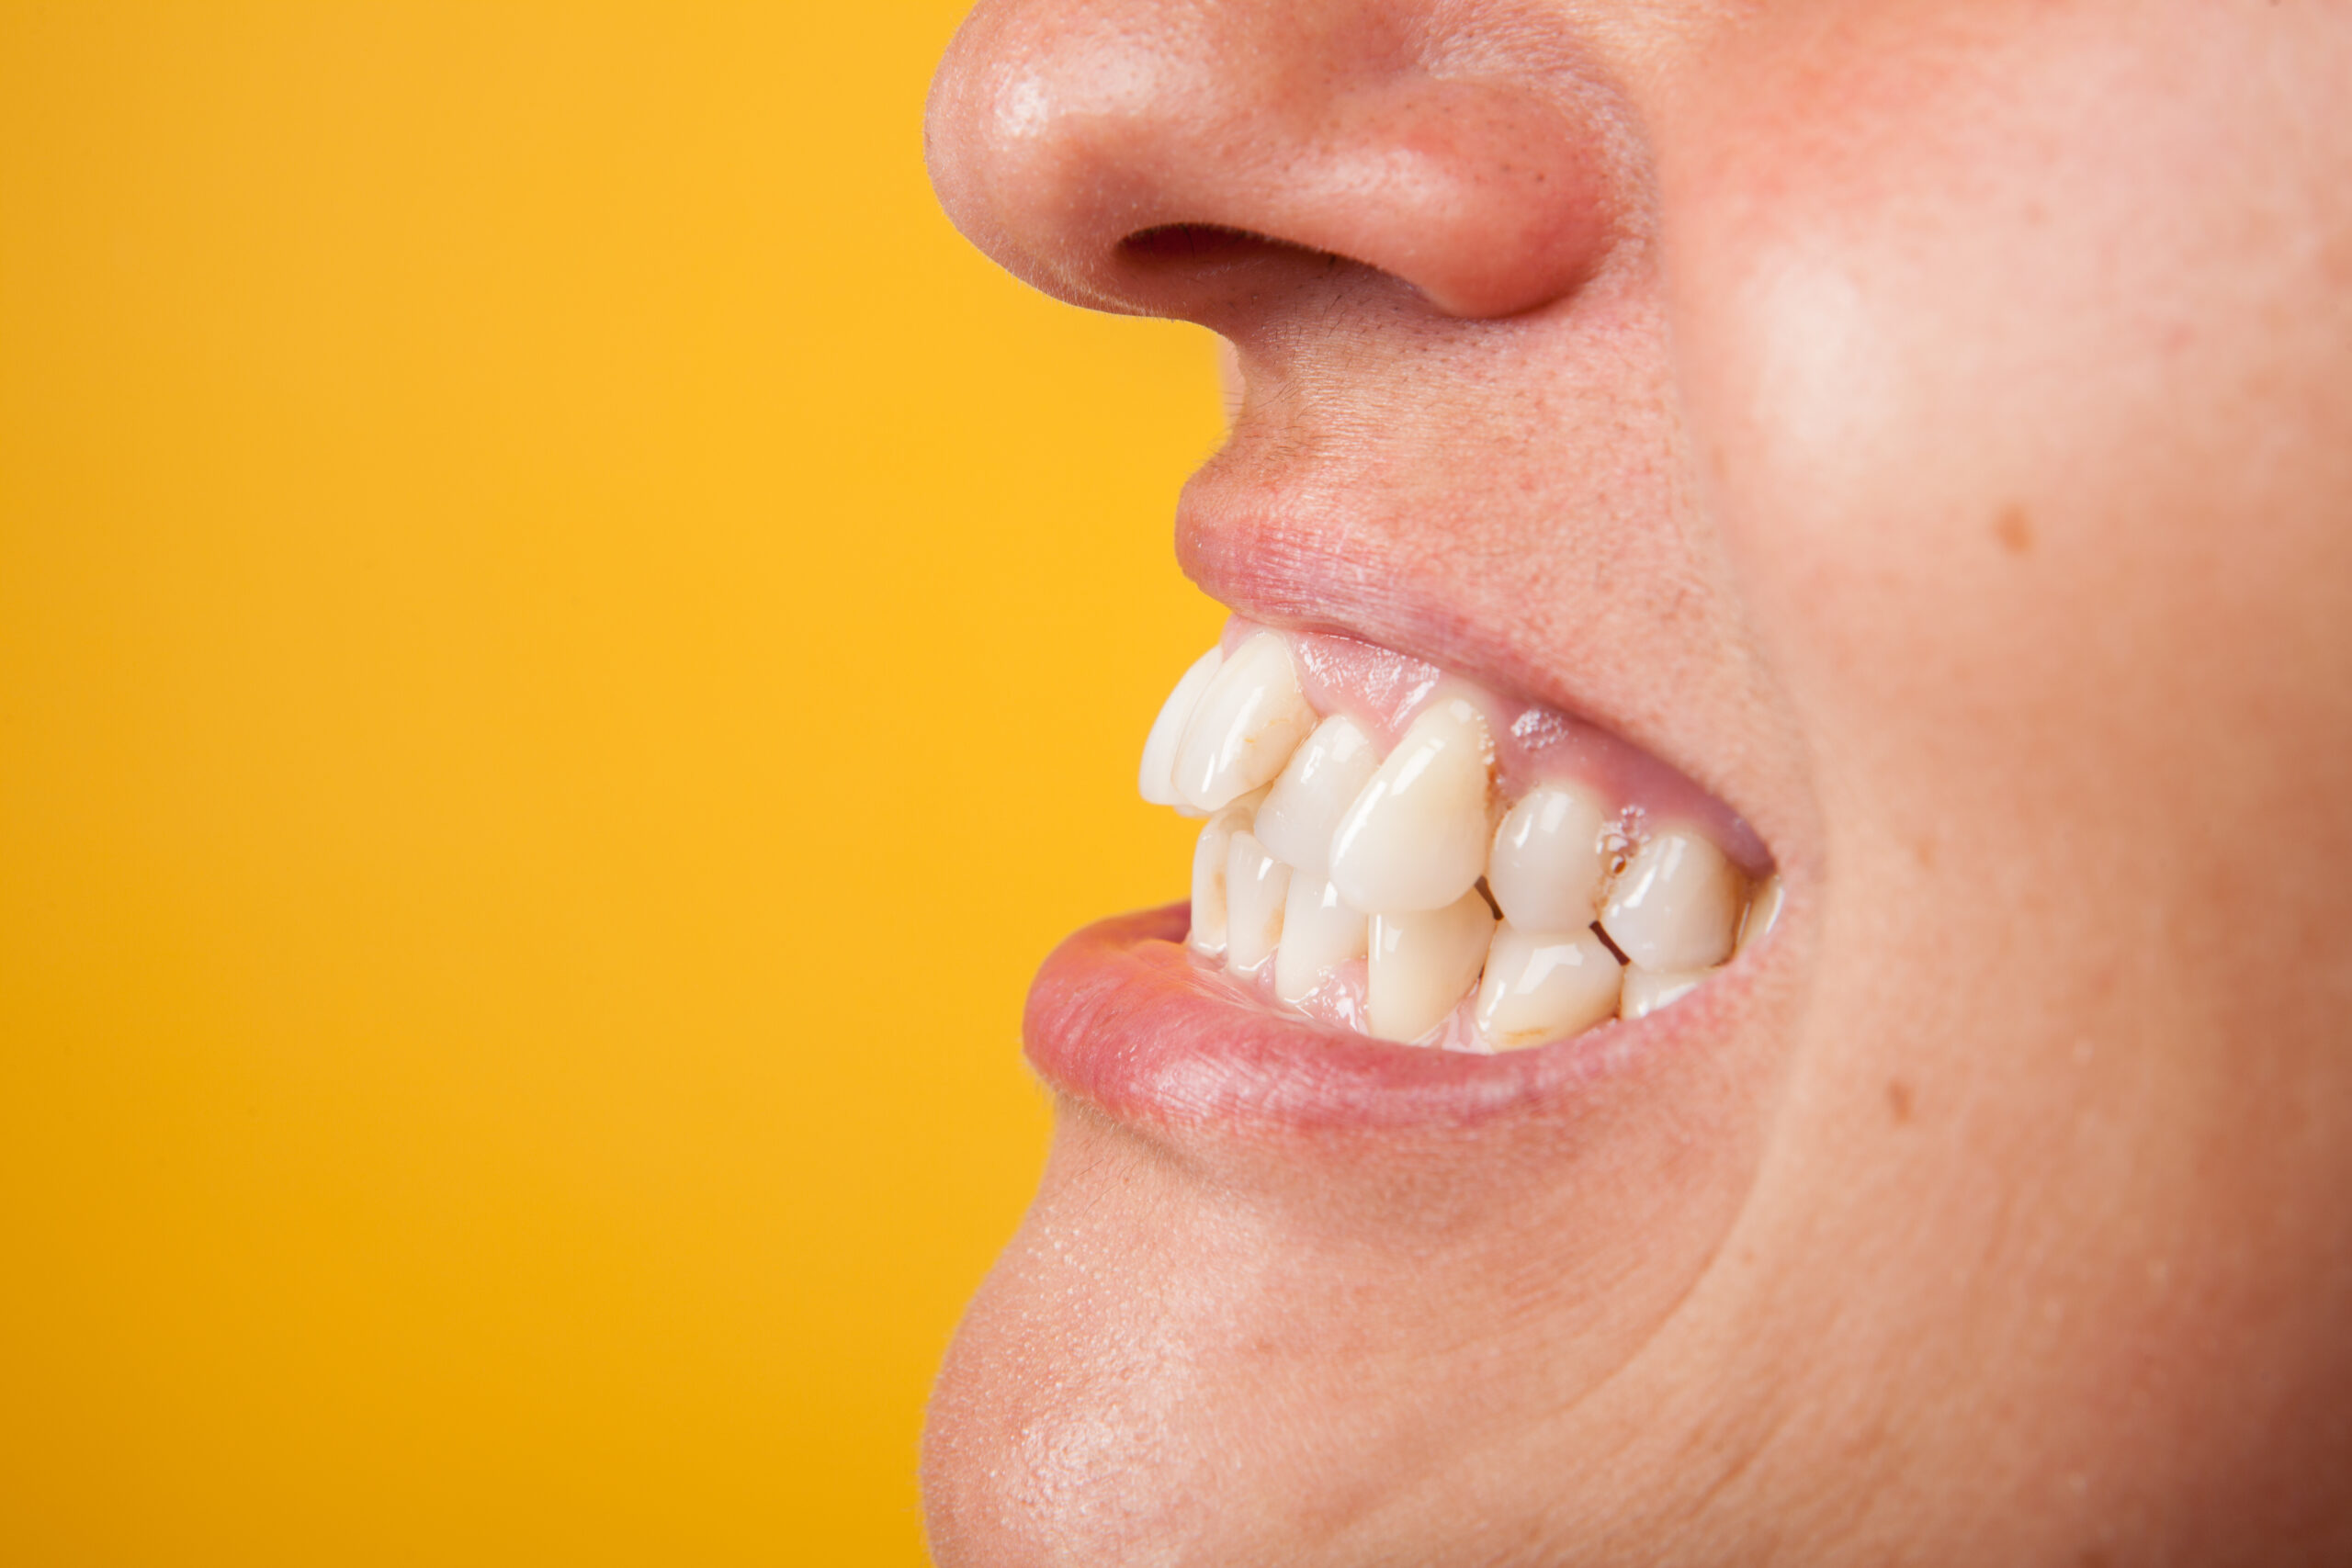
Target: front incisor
[[1156, 777], [1415, 839], [1210, 853], [1677, 904], [1255, 886], [1314, 791], [1250, 717]]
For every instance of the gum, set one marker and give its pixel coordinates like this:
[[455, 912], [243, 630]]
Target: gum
[[1383, 691]]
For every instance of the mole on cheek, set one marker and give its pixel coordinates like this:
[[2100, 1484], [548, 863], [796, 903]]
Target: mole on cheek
[[2015, 530]]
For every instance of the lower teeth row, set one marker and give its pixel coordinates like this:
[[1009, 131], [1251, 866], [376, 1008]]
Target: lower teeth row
[[1382, 893]]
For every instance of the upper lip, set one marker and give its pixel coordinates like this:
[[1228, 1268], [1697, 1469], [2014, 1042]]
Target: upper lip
[[1286, 547]]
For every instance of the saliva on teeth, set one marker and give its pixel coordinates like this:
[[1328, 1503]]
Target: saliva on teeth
[[1401, 896]]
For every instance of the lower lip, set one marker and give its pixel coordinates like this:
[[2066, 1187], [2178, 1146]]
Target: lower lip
[[1120, 1017]]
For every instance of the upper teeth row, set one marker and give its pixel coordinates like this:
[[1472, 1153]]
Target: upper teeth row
[[1318, 852]]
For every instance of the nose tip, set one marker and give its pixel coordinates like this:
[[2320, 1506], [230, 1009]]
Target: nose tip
[[1176, 159]]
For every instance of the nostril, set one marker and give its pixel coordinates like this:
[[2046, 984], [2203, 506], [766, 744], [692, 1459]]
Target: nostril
[[1199, 242]]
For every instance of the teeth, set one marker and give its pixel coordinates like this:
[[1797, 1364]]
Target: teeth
[[1540, 987], [1763, 914], [1320, 931], [1256, 884], [1548, 863], [1250, 717], [1424, 962], [1210, 853], [1646, 990], [1323, 777], [1677, 905], [1156, 777], [1368, 890], [1415, 839]]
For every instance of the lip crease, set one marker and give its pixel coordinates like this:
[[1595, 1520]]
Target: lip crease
[[1122, 1018]]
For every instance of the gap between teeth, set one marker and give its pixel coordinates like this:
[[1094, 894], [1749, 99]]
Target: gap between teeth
[[1400, 896]]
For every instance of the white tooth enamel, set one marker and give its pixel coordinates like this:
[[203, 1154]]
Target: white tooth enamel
[[1415, 838], [1156, 777], [1677, 904], [1320, 931], [1250, 717], [1542, 986], [1256, 885], [1547, 863], [1322, 779], [1210, 853], [1646, 990], [1424, 962], [1763, 913]]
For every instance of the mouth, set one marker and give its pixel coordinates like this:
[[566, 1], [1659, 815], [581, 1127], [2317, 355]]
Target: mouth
[[1414, 899]]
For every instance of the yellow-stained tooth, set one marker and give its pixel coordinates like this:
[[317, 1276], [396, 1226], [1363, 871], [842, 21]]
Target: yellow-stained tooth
[[1250, 717], [1677, 904], [1320, 931], [1210, 852], [1646, 990], [1542, 987], [1547, 862], [1256, 885], [1322, 779], [1415, 838], [1157, 776], [1423, 964]]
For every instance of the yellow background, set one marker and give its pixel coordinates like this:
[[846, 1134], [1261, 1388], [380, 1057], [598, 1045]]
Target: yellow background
[[565, 647]]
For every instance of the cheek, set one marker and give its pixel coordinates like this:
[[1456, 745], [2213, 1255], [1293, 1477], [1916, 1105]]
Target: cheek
[[2015, 358], [2015, 355]]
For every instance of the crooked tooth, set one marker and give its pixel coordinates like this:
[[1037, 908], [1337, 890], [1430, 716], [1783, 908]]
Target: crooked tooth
[[1542, 987], [1250, 717], [1547, 863], [1415, 838], [1156, 777], [1423, 964], [1322, 779], [1677, 904], [1763, 914], [1210, 853], [1320, 931], [1646, 990], [1256, 885]]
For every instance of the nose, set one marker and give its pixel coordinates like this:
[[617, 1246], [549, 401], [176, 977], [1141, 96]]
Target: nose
[[1194, 157]]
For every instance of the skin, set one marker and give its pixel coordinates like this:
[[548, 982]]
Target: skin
[[1929, 427]]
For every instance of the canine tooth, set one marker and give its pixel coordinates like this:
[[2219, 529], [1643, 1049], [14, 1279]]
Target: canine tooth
[[1763, 914], [1646, 990], [1250, 717], [1210, 852], [1320, 931], [1415, 838], [1156, 777], [1676, 905], [1423, 964], [1547, 863], [1541, 987], [1255, 886], [1322, 779]]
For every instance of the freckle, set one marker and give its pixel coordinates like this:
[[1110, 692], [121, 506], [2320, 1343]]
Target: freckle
[[2015, 530], [1924, 852], [1898, 1102]]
